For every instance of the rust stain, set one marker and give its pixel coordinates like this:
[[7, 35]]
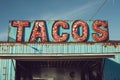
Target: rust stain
[[112, 43], [108, 43]]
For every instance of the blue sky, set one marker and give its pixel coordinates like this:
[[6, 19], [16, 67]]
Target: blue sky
[[59, 9]]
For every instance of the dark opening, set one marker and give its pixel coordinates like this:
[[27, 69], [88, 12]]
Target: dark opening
[[59, 70]]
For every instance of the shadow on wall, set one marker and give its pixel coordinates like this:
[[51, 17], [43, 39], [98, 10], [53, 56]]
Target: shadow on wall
[[112, 69]]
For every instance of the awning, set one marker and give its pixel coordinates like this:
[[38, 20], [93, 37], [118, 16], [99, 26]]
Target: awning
[[57, 56]]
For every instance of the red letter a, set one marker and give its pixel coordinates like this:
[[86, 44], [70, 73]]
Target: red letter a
[[38, 31]]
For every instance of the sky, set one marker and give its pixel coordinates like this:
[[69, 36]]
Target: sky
[[60, 10]]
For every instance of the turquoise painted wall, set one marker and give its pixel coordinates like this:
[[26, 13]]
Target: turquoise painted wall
[[112, 68], [7, 66], [7, 69], [79, 48]]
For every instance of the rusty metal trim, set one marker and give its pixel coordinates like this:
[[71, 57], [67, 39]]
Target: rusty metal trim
[[89, 42]]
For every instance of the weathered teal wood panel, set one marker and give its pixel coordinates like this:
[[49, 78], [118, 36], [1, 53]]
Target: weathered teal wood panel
[[59, 47], [7, 69], [112, 68]]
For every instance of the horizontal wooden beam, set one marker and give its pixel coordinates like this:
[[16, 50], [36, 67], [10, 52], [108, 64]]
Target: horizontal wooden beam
[[56, 56]]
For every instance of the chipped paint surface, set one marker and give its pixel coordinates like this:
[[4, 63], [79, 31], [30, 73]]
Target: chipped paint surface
[[111, 68], [78, 47], [59, 37], [7, 68], [59, 47], [58, 31]]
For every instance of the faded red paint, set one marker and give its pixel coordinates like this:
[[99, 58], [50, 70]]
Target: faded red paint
[[20, 25], [55, 35], [103, 32], [76, 24], [38, 31]]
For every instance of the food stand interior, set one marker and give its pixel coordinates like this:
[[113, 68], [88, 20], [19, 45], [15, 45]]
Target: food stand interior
[[59, 69]]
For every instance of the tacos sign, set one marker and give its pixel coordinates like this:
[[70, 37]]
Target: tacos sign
[[58, 31]]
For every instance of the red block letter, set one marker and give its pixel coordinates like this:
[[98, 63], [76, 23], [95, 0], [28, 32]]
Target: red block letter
[[20, 25], [103, 32], [38, 31], [55, 35], [76, 24]]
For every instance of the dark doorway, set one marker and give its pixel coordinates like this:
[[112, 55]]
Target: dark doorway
[[59, 70]]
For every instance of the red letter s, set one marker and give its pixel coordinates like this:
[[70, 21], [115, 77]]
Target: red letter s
[[104, 35]]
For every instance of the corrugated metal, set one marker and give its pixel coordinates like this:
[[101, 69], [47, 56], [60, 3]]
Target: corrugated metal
[[111, 66], [7, 69], [60, 47]]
